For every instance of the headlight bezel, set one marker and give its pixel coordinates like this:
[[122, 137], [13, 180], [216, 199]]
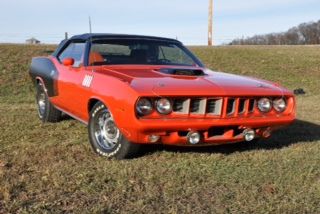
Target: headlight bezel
[[144, 111], [160, 104], [276, 104], [264, 109]]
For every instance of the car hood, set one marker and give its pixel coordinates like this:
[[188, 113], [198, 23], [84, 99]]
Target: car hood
[[149, 81]]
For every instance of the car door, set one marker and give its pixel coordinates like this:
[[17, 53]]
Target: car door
[[70, 79]]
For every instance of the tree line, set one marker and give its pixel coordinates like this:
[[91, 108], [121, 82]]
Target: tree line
[[303, 34]]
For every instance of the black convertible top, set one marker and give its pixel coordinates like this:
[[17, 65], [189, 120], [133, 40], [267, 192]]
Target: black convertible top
[[94, 36]]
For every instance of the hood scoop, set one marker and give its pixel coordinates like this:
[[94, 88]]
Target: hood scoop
[[182, 71]]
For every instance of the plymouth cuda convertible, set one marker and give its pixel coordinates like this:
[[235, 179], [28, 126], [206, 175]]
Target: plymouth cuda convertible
[[132, 90]]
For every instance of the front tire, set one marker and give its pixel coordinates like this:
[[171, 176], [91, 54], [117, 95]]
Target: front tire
[[105, 137], [46, 111]]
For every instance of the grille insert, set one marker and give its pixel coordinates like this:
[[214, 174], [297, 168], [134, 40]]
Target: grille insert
[[178, 105], [251, 105], [214, 107], [231, 104], [195, 105], [242, 105]]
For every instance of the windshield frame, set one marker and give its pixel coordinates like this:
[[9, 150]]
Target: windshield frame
[[197, 62]]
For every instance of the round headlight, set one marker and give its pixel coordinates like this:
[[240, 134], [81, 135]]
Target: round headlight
[[164, 106], [279, 104], [144, 106], [264, 105]]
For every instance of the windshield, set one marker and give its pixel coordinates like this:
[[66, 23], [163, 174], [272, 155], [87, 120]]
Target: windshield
[[130, 51]]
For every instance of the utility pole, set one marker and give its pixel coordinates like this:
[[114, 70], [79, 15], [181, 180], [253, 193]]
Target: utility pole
[[210, 27], [66, 35], [90, 29]]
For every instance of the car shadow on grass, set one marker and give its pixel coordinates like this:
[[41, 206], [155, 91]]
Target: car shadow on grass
[[299, 132]]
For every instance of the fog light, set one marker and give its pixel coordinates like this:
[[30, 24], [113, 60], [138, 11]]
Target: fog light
[[193, 137], [153, 138], [249, 134]]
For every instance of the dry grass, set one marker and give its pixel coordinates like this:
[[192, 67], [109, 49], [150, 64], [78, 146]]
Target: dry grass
[[50, 168]]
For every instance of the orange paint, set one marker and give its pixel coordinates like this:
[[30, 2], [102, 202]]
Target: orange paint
[[119, 88]]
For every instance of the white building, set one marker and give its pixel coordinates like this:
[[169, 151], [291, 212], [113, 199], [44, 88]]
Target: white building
[[32, 41]]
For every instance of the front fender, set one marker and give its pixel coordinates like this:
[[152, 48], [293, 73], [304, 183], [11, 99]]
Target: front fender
[[118, 96], [44, 68]]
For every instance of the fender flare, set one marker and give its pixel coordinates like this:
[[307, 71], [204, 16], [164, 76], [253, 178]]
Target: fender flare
[[43, 69]]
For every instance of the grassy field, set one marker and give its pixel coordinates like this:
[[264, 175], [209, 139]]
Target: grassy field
[[50, 168]]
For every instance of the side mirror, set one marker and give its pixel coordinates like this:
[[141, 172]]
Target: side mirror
[[68, 62]]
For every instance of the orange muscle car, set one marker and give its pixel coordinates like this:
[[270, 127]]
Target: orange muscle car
[[132, 90]]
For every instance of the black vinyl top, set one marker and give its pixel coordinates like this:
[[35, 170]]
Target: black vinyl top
[[101, 36], [93, 36], [97, 36]]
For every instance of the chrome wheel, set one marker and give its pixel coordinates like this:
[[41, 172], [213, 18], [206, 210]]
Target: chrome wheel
[[105, 137], [106, 132], [41, 101]]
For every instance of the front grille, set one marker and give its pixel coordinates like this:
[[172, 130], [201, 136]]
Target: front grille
[[242, 106], [195, 106], [214, 107], [178, 105], [231, 104], [251, 105]]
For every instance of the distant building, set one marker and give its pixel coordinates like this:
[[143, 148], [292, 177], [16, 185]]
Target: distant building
[[32, 41]]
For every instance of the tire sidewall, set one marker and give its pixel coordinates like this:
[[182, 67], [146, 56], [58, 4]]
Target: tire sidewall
[[109, 153], [40, 89]]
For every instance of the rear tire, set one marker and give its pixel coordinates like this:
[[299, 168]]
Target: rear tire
[[46, 111], [105, 137]]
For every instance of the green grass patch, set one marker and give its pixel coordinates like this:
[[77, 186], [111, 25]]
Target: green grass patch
[[50, 168]]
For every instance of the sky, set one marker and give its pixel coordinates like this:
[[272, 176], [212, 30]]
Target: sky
[[183, 19]]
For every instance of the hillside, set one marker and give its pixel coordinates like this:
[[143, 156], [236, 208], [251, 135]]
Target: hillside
[[50, 168], [303, 34]]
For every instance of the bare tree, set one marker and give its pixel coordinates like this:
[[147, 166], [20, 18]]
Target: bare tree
[[305, 33]]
